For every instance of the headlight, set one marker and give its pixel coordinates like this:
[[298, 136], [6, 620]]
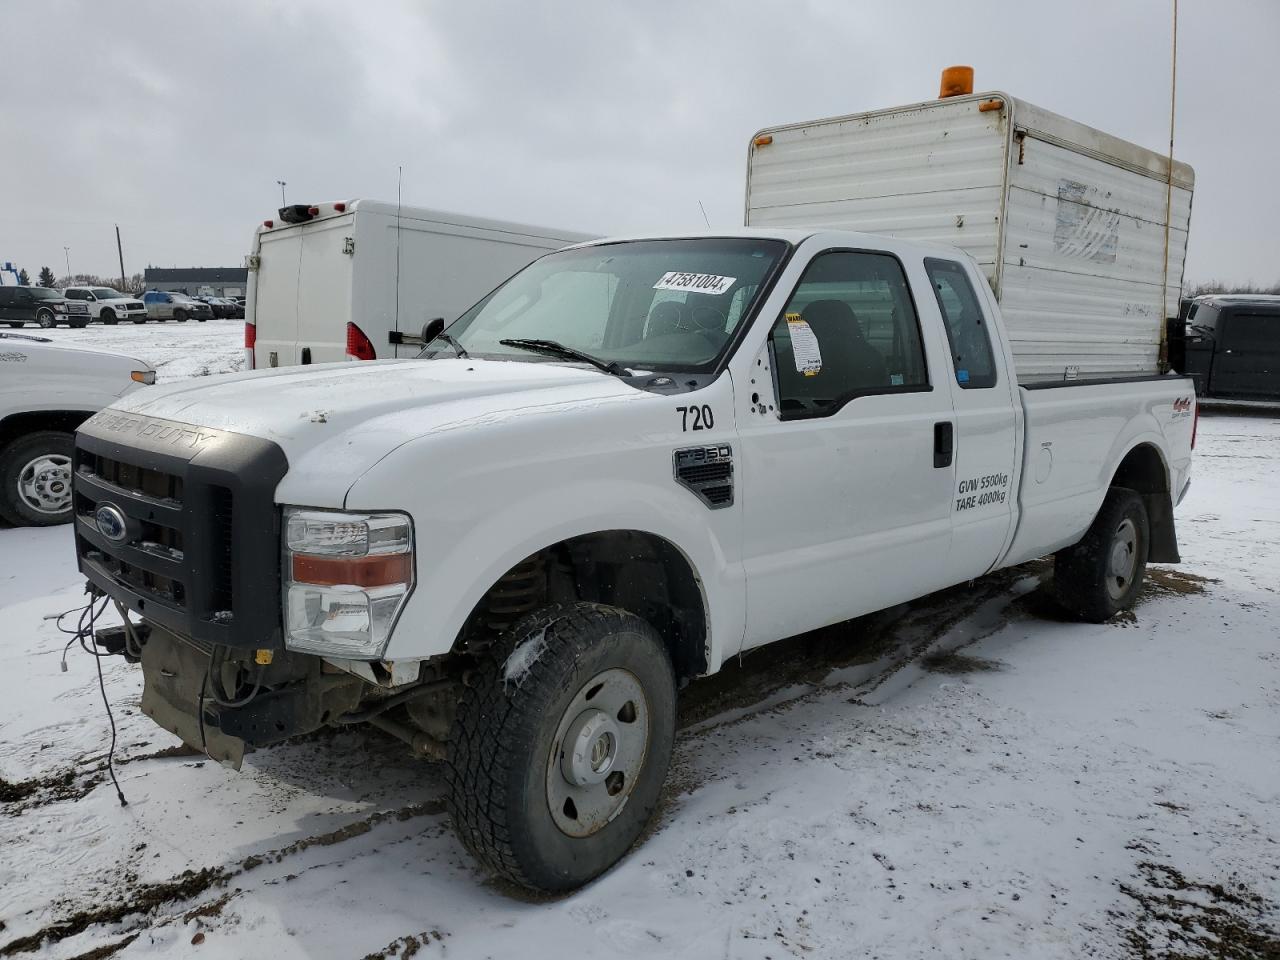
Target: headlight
[[60, 307], [347, 576]]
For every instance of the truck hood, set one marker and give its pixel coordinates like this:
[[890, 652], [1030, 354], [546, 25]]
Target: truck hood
[[333, 421]]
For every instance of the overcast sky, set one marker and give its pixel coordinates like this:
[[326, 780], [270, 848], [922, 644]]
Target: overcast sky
[[176, 119]]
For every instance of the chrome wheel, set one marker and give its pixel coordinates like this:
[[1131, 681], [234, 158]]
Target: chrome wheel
[[44, 484], [599, 749], [1124, 559]]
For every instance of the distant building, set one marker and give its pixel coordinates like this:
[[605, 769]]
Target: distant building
[[199, 281]]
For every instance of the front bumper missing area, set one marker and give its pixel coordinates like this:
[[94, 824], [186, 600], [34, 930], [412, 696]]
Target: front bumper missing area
[[293, 696]]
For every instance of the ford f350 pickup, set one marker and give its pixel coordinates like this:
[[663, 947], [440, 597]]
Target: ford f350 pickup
[[632, 461]]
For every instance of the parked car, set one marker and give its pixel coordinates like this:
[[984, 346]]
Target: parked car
[[48, 308], [1229, 344], [631, 462], [46, 391], [108, 305], [162, 305], [223, 309], [313, 299]]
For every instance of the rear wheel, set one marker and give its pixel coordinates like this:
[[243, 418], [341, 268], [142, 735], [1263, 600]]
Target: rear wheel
[[35, 479], [1102, 574], [46, 319], [79, 323], [561, 745], [17, 324], [108, 317]]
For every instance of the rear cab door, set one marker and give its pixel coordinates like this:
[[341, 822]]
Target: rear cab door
[[274, 302], [987, 414]]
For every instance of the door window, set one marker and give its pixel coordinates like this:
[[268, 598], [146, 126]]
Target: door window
[[849, 330], [971, 355], [1253, 332]]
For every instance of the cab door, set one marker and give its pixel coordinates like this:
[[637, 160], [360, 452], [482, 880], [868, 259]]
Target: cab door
[[846, 483], [984, 401], [1247, 364]]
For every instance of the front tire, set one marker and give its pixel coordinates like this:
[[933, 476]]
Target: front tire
[[561, 745], [180, 316], [46, 319], [108, 317], [1102, 574], [35, 479]]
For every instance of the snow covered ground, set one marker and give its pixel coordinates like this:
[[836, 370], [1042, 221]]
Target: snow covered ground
[[965, 777]]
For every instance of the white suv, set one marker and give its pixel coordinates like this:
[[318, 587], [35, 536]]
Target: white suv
[[109, 306]]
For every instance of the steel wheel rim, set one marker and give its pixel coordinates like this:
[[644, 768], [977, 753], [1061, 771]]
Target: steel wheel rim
[[1123, 561], [600, 747], [44, 484]]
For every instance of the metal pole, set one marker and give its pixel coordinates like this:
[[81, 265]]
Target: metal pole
[[1168, 202], [66, 252], [120, 251], [282, 201]]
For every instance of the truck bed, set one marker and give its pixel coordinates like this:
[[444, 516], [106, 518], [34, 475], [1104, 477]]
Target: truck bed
[[1075, 433]]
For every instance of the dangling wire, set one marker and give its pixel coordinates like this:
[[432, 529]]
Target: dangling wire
[[86, 630]]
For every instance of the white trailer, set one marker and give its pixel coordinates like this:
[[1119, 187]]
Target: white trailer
[[1068, 223], [344, 280]]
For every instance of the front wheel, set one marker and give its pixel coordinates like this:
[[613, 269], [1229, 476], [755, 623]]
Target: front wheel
[[46, 319], [108, 317], [35, 479], [180, 316], [1102, 574], [561, 745]]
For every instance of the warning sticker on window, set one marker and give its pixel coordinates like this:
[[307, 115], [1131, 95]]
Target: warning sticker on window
[[804, 346], [694, 282]]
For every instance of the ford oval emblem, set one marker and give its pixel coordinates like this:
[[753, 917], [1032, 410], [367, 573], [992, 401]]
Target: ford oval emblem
[[111, 522]]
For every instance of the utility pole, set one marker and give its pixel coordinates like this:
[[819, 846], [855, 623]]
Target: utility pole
[[282, 203], [66, 252], [120, 251]]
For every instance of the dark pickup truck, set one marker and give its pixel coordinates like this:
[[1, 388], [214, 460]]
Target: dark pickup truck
[[1229, 344]]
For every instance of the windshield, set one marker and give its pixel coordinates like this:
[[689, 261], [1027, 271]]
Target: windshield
[[106, 293], [44, 293], [648, 304]]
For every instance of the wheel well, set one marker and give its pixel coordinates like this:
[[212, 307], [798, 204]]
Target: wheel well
[[639, 572], [18, 424], [1143, 471]]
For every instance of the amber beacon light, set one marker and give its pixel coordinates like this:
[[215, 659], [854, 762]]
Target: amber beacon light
[[956, 82]]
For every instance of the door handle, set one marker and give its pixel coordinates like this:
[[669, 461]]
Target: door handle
[[943, 443]]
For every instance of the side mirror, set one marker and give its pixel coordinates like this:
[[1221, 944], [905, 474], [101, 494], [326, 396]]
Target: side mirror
[[431, 329]]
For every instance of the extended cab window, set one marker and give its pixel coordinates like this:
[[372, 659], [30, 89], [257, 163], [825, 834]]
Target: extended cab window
[[971, 355], [849, 330]]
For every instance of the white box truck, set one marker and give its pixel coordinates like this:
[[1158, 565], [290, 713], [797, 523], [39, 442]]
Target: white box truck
[[1067, 223], [347, 280]]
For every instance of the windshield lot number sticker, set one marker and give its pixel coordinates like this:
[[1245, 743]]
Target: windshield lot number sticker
[[981, 491], [701, 417], [694, 282]]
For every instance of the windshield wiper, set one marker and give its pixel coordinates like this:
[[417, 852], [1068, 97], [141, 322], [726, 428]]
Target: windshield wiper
[[569, 353], [448, 338]]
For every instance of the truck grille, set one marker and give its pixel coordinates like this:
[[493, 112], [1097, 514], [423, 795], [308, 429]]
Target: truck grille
[[160, 523]]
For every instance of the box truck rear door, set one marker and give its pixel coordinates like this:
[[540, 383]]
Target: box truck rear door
[[275, 306]]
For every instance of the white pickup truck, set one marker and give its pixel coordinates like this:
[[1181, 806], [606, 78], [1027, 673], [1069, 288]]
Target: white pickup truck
[[633, 461], [46, 391]]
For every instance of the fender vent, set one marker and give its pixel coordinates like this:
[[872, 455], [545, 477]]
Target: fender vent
[[708, 472]]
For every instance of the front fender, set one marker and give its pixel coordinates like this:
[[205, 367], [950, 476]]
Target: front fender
[[483, 500]]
